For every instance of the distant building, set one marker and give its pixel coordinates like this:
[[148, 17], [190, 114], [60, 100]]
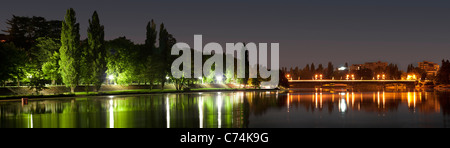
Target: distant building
[[369, 65], [4, 38], [430, 67]]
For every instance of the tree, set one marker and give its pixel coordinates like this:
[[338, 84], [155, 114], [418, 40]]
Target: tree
[[284, 82], [25, 30], [330, 71], [320, 69], [166, 41], [313, 69], [97, 56], [69, 51], [48, 56], [152, 66], [12, 59], [365, 74], [443, 76], [121, 60]]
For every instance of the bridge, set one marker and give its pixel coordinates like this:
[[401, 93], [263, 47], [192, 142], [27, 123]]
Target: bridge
[[351, 83]]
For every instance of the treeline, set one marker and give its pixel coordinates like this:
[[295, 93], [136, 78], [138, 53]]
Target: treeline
[[443, 76], [42, 52]]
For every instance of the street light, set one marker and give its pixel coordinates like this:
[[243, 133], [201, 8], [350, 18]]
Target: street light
[[110, 78], [219, 79], [201, 79]]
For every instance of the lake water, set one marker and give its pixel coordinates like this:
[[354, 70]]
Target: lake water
[[254, 109]]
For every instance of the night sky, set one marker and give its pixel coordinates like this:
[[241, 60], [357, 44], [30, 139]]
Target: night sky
[[354, 31]]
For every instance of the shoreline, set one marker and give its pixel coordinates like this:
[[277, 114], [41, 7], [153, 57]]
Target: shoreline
[[127, 92]]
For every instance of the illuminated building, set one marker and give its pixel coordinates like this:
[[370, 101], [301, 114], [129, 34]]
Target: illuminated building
[[430, 67]]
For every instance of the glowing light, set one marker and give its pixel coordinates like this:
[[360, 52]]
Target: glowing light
[[200, 112], [111, 114], [342, 68], [219, 79], [219, 111], [110, 77], [31, 118], [168, 112], [342, 106]]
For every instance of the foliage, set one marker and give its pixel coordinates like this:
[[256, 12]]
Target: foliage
[[122, 61], [443, 76], [96, 54], [47, 53], [12, 60], [25, 30], [69, 51]]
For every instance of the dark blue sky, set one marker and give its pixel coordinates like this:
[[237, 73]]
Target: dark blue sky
[[354, 31]]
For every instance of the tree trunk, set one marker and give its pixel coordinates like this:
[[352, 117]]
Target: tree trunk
[[72, 89], [53, 82], [151, 85]]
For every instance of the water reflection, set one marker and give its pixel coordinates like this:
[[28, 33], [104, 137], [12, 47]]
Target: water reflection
[[296, 108]]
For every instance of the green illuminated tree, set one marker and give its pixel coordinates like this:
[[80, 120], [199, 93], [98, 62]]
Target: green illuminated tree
[[121, 60], [96, 56], [48, 57], [69, 51]]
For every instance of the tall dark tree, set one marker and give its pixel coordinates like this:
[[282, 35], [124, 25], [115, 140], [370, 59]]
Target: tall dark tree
[[313, 69], [97, 56], [149, 55], [330, 71], [443, 76], [69, 51], [165, 45], [151, 36]]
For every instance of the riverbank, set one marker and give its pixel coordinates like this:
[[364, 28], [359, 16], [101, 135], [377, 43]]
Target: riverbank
[[127, 92]]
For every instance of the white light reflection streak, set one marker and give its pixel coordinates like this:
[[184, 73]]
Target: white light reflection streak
[[111, 114], [200, 112], [378, 99], [384, 100], [219, 110], [167, 112], [32, 121]]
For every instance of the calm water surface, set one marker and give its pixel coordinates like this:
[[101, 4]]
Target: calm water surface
[[260, 109]]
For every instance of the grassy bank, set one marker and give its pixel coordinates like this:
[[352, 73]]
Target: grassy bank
[[122, 92]]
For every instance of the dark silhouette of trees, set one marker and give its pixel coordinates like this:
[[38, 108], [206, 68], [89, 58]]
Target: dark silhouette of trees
[[443, 76], [25, 30], [96, 53]]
